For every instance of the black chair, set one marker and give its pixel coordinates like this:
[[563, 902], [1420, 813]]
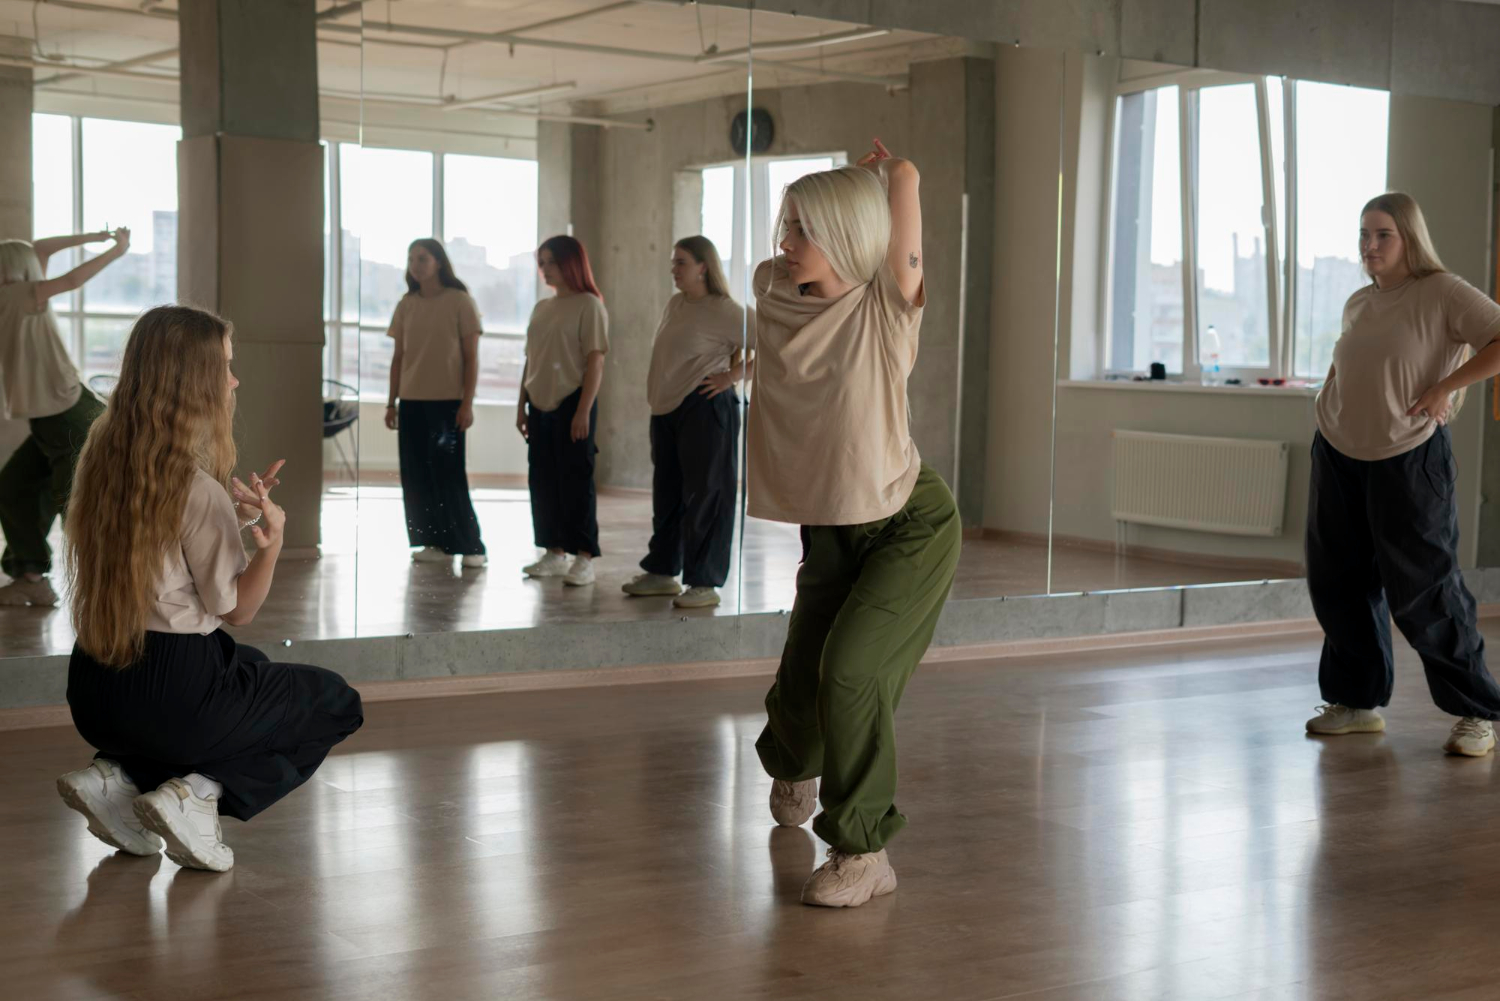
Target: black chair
[[340, 411]]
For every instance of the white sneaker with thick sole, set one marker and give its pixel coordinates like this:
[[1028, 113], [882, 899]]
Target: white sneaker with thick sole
[[1335, 720], [550, 565], [581, 573], [793, 802], [105, 796], [188, 824], [1472, 737], [475, 560], [697, 597], [847, 880], [28, 592], [431, 554], [652, 585]]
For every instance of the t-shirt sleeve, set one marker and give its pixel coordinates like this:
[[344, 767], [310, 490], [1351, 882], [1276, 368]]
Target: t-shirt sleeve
[[469, 324], [593, 327], [398, 322], [211, 546], [894, 306], [1473, 317]]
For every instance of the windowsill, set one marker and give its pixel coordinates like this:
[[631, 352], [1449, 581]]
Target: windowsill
[[1169, 386]]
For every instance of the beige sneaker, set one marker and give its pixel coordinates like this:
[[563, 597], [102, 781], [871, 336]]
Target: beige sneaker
[[652, 585], [550, 565], [28, 592], [188, 824], [1471, 737], [698, 597], [1335, 720], [581, 573], [849, 880], [105, 796], [793, 802]]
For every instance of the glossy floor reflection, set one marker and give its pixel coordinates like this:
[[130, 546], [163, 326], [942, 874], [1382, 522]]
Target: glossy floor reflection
[[366, 584], [1151, 824]]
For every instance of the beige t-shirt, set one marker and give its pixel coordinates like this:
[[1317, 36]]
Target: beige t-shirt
[[695, 340], [829, 439], [1396, 345], [37, 376], [430, 333], [563, 331], [200, 582]]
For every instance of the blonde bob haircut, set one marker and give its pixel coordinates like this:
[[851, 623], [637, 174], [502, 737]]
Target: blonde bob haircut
[[846, 214], [19, 263]]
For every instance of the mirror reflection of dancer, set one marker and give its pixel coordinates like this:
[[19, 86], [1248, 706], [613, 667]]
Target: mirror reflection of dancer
[[1382, 512], [434, 373], [40, 384], [830, 449], [155, 562], [558, 412], [696, 361]]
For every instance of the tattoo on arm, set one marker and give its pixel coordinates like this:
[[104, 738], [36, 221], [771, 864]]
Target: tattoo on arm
[[912, 260]]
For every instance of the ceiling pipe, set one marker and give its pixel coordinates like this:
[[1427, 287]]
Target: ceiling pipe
[[456, 104]]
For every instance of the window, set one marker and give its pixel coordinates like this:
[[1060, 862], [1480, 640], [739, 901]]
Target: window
[[1273, 252], [81, 182]]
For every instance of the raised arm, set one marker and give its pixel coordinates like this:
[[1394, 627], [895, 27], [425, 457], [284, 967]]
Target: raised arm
[[47, 246], [74, 279], [902, 183]]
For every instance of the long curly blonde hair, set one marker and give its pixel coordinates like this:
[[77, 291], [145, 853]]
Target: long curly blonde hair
[[171, 414]]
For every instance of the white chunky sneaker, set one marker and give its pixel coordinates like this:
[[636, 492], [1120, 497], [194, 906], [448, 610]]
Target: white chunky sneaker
[[188, 824], [431, 554], [1471, 737], [581, 573], [28, 592], [550, 565], [1334, 720], [697, 597], [849, 880], [652, 585], [105, 796], [793, 802], [475, 560]]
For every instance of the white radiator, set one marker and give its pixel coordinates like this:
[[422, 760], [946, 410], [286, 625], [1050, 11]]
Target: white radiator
[[1232, 486]]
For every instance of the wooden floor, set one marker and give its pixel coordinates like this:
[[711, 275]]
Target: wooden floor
[[1150, 824], [366, 584]]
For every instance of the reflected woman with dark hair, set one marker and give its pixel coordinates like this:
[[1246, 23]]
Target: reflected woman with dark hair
[[434, 372], [558, 411]]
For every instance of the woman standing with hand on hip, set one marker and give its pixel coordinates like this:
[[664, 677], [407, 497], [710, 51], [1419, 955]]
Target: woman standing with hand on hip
[[434, 373], [830, 449], [696, 360], [1382, 514], [40, 384], [558, 411]]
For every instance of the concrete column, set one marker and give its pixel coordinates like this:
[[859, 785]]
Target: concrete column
[[15, 143], [250, 239]]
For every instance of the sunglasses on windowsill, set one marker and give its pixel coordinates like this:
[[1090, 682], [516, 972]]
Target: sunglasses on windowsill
[[1271, 382]]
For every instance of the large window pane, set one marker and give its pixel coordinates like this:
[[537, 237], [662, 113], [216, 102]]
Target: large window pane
[[1231, 232], [130, 179], [500, 360], [780, 173], [718, 215], [1146, 306], [52, 184], [1341, 143], [489, 230], [387, 204], [104, 346]]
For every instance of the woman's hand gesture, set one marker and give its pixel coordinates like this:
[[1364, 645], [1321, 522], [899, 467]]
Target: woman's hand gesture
[[719, 382], [580, 428], [391, 420], [871, 160], [268, 532], [121, 236], [522, 424], [465, 417], [247, 498], [1436, 404]]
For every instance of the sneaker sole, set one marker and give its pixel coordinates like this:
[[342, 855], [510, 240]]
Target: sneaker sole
[[652, 593], [1460, 752], [99, 813], [698, 604], [578, 583], [1342, 731], [185, 853], [886, 885]]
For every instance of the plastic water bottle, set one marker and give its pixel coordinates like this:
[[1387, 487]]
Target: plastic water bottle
[[1209, 362]]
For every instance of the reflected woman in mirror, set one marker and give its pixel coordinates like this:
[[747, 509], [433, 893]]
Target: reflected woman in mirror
[[558, 411], [829, 448], [434, 372], [1382, 510], [187, 723], [696, 361], [39, 384]]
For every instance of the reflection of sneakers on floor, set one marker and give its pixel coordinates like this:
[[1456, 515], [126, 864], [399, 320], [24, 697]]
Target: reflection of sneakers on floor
[[1334, 720], [581, 573], [793, 802], [28, 592], [105, 796], [1472, 737], [431, 554], [550, 565], [188, 824], [653, 585], [847, 880], [697, 597], [475, 560]]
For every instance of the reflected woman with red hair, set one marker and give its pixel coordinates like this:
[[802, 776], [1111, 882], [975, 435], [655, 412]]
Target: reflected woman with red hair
[[557, 413]]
